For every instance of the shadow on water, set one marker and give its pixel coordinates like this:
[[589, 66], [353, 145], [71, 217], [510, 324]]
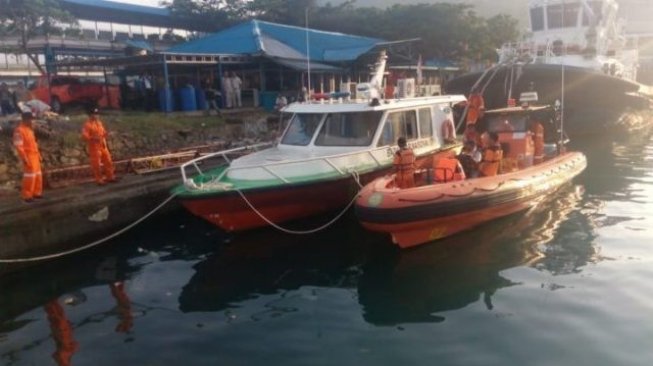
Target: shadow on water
[[420, 284]]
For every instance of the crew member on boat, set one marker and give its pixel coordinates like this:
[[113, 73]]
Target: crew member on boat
[[476, 106], [404, 163], [538, 141], [469, 159], [492, 155]]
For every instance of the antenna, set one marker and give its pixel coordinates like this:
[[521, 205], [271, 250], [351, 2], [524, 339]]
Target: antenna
[[308, 56], [562, 92]]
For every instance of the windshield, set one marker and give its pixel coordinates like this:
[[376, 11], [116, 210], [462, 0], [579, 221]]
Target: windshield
[[302, 128], [349, 129]]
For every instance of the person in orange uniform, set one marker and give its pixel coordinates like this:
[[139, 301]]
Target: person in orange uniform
[[62, 333], [492, 155], [95, 136], [448, 169], [476, 106], [28, 151], [538, 142], [404, 163]]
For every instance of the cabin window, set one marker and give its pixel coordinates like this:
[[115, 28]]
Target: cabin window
[[399, 124], [302, 128], [537, 19], [425, 125], [502, 123], [348, 129], [563, 15]]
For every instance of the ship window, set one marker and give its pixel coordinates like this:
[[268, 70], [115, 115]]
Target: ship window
[[348, 129], [302, 128], [399, 124], [425, 125], [557, 19], [537, 19]]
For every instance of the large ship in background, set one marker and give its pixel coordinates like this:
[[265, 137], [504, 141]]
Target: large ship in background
[[579, 42]]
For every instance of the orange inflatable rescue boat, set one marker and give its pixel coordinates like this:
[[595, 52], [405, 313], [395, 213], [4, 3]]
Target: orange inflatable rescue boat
[[444, 202]]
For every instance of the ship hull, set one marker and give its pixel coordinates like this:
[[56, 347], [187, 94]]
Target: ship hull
[[593, 102]]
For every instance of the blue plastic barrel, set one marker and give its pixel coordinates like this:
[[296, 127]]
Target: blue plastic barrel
[[268, 100], [187, 98], [201, 99], [166, 104]]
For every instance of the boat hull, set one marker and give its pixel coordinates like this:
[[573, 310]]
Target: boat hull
[[285, 202], [423, 214], [593, 101]]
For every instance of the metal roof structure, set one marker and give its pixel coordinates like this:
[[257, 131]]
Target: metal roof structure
[[278, 41], [111, 11]]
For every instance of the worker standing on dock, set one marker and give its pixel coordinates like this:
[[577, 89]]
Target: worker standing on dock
[[28, 151], [96, 139]]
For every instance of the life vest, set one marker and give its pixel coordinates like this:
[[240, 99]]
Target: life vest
[[448, 169], [492, 156], [404, 163], [448, 131]]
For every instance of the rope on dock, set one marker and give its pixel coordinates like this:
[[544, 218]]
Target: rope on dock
[[354, 175], [91, 245]]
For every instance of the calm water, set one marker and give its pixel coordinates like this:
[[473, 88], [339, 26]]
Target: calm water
[[570, 283]]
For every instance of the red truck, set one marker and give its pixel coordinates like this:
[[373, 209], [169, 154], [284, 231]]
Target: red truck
[[67, 90]]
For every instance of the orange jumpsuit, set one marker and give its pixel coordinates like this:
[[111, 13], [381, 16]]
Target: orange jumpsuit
[[476, 107], [404, 163], [62, 333], [95, 136], [28, 151]]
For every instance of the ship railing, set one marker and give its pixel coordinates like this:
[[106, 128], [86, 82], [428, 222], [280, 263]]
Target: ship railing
[[269, 167], [224, 154]]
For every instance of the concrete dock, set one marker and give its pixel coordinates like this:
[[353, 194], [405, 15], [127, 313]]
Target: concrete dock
[[74, 216]]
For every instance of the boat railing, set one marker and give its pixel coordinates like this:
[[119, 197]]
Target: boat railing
[[224, 154], [269, 167]]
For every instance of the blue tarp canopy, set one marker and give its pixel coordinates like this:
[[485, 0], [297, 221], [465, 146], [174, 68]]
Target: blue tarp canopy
[[259, 38]]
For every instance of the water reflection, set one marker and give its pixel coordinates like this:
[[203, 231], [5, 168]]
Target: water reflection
[[266, 261], [421, 284]]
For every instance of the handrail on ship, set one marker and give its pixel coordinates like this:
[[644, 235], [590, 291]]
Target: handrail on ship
[[223, 153], [266, 167]]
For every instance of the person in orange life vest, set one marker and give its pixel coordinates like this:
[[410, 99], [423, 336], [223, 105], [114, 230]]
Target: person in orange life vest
[[469, 159], [123, 307], [448, 169], [95, 136], [28, 152], [448, 131], [404, 163], [492, 155], [476, 106], [538, 141], [62, 333]]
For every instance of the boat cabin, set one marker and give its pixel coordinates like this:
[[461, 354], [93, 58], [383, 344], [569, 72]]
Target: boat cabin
[[328, 128]]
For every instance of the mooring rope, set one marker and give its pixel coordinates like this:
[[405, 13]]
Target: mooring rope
[[90, 245], [354, 175]]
